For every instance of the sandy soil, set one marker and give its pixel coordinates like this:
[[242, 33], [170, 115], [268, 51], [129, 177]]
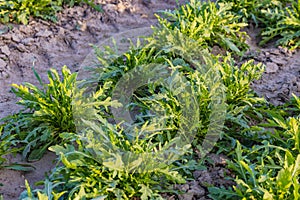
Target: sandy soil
[[44, 44]]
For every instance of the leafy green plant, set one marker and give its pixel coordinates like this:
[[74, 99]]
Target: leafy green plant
[[260, 12], [273, 175], [21, 10], [5, 146], [108, 164], [287, 29], [47, 112], [237, 80], [209, 24], [287, 131], [268, 169]]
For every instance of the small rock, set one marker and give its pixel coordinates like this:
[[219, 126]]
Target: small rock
[[2, 64], [260, 57], [217, 159], [275, 51], [4, 75], [196, 174], [6, 37], [109, 7], [16, 38], [82, 25], [205, 178], [196, 189], [295, 65], [271, 67], [187, 196], [5, 50], [121, 7], [271, 87], [184, 187], [21, 47], [292, 79], [278, 61], [61, 31], [25, 29], [44, 33], [267, 54], [28, 41], [221, 173], [3, 56]]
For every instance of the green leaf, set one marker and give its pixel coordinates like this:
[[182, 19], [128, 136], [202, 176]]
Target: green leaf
[[146, 192]]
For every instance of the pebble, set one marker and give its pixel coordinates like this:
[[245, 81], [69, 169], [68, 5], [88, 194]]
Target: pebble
[[275, 51], [217, 159], [28, 41], [3, 56], [4, 75], [2, 64], [295, 65], [109, 7], [5, 50], [25, 29], [121, 7], [21, 47], [292, 79], [16, 38], [82, 25], [271, 67], [197, 174], [61, 31], [186, 196], [44, 33], [278, 61], [185, 187], [197, 191], [267, 53], [6, 37]]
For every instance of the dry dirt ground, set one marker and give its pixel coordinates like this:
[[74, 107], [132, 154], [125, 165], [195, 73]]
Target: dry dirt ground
[[47, 45]]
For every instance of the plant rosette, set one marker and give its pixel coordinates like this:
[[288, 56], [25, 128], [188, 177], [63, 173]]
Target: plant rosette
[[174, 83]]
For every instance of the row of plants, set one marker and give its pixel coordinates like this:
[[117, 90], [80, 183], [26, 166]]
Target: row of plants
[[101, 157], [21, 10], [279, 20]]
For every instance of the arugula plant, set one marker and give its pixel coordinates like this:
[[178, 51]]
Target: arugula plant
[[8, 146], [5, 146], [287, 28], [98, 169], [262, 13], [268, 169], [20, 10], [263, 172], [209, 24], [47, 112]]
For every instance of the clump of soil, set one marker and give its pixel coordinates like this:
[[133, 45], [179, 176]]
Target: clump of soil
[[282, 76]]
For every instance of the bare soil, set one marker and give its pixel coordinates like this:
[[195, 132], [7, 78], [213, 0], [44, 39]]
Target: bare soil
[[45, 45]]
